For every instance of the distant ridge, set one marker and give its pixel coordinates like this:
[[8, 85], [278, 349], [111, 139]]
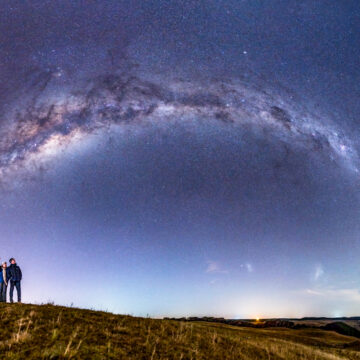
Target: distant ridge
[[324, 323], [334, 318]]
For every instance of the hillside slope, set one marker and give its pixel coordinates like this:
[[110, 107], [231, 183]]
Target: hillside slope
[[55, 332]]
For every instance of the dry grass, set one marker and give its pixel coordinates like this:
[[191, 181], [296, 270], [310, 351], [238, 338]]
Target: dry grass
[[54, 332]]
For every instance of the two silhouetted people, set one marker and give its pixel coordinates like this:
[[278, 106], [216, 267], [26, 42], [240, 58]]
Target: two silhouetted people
[[12, 275]]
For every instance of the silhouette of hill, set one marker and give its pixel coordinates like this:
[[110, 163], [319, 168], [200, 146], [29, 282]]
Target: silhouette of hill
[[55, 332], [349, 326]]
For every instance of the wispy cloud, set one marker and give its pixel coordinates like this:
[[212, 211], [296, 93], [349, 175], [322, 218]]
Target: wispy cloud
[[318, 272], [335, 294], [214, 267], [249, 268]]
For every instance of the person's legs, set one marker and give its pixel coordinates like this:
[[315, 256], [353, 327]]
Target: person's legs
[[2, 292], [12, 284], [5, 292], [18, 290]]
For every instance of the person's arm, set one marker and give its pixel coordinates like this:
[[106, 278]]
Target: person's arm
[[20, 274], [9, 276]]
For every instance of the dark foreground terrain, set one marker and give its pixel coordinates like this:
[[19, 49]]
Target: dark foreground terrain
[[55, 332]]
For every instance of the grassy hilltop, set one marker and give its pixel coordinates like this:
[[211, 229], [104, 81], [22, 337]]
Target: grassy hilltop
[[55, 332]]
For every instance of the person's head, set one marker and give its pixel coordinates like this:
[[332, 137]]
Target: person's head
[[4, 264], [12, 261]]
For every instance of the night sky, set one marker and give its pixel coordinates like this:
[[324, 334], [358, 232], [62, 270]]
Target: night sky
[[178, 158]]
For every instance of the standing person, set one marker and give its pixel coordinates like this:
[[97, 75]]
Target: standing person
[[4, 278], [15, 277]]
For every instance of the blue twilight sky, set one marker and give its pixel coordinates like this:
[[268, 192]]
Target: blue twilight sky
[[179, 158]]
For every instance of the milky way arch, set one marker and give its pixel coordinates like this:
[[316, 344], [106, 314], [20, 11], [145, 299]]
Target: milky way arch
[[44, 111]]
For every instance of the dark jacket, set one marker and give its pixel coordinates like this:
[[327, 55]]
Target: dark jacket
[[14, 273]]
